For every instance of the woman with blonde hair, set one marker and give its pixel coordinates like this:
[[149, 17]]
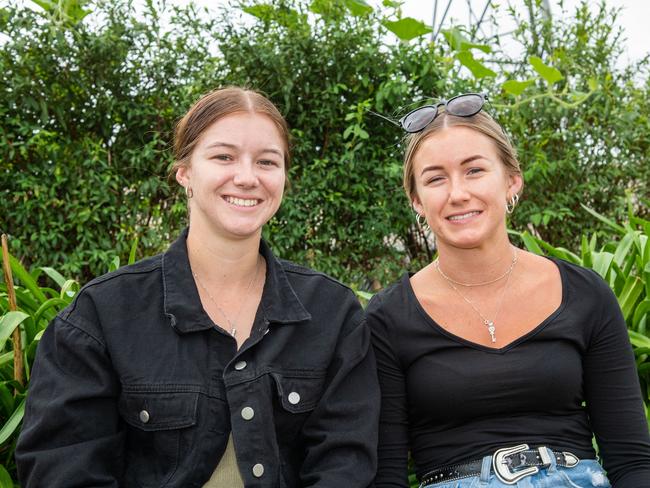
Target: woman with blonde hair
[[214, 364], [497, 366]]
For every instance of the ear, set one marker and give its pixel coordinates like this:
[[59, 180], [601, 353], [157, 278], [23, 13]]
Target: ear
[[515, 184], [183, 175], [417, 205]]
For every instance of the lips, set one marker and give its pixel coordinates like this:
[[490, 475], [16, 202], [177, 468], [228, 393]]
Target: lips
[[242, 202], [463, 216]]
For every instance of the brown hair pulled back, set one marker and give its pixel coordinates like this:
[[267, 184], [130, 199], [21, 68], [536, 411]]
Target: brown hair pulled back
[[215, 105], [481, 122]]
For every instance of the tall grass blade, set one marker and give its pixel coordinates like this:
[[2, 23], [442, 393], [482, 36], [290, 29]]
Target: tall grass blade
[[8, 322], [12, 424]]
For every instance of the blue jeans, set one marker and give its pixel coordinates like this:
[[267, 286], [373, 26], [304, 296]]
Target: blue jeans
[[586, 474]]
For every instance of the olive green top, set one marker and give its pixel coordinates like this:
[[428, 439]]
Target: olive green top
[[227, 472]]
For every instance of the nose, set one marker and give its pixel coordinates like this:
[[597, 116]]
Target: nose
[[245, 175], [458, 190]]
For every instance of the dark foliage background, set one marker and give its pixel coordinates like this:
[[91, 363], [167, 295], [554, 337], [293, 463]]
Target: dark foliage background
[[88, 104]]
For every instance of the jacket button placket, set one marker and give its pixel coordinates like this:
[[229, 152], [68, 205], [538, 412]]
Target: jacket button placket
[[251, 423]]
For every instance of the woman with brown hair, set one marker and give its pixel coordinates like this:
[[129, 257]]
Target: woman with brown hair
[[214, 364], [497, 366]]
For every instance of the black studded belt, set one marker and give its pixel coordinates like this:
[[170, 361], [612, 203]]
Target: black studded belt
[[509, 464]]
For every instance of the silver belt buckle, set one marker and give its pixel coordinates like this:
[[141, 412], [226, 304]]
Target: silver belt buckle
[[502, 470]]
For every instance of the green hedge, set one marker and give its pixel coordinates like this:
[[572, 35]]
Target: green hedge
[[88, 104]]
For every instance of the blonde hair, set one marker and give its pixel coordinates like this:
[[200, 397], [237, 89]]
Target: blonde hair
[[215, 105], [480, 122]]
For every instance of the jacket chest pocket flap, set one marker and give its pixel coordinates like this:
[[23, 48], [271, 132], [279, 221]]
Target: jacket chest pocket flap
[[151, 411], [299, 393]]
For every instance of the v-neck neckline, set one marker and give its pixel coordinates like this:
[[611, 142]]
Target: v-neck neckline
[[456, 338]]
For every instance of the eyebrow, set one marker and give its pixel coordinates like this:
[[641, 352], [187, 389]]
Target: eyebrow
[[234, 146], [464, 161]]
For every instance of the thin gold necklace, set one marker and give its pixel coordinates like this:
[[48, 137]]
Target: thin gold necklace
[[231, 323], [487, 322], [482, 283]]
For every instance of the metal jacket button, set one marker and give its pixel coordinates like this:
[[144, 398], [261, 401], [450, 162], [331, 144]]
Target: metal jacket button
[[247, 413], [144, 416], [258, 470], [239, 365], [294, 398]]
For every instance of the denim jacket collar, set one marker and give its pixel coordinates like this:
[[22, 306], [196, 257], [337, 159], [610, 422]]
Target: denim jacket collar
[[183, 306]]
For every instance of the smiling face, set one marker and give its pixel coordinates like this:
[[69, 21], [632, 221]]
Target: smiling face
[[461, 187], [236, 173]]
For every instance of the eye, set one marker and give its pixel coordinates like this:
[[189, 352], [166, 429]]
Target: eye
[[268, 162], [435, 179], [222, 157], [474, 171]]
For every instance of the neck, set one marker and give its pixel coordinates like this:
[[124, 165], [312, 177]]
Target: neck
[[222, 261], [477, 264]]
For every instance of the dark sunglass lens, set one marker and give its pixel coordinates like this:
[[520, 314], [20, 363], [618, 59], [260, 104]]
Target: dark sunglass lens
[[418, 119], [465, 105]]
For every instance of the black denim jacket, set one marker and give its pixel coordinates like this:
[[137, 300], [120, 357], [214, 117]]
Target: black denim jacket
[[134, 386]]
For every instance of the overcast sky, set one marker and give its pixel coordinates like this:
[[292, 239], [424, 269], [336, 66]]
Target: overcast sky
[[634, 17]]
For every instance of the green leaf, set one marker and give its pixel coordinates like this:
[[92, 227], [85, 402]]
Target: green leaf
[[26, 279], [114, 264], [57, 303], [6, 358], [407, 28], [623, 248], [642, 309], [478, 69], [358, 8], [46, 5], [531, 243], [550, 74], [54, 274], [629, 295], [8, 322], [262, 11], [605, 220], [515, 87], [134, 248], [12, 424], [458, 42], [593, 84], [5, 478], [602, 262]]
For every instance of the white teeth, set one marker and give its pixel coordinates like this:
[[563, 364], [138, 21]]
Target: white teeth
[[463, 216], [241, 202]]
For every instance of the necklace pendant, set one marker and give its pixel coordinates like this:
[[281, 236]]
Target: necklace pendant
[[233, 332], [491, 329]]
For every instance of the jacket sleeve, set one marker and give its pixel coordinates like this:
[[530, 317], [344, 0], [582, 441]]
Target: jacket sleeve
[[71, 433], [393, 421], [613, 397], [341, 432]]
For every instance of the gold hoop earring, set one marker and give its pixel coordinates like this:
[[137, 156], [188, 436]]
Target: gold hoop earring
[[512, 203], [422, 221], [188, 192]]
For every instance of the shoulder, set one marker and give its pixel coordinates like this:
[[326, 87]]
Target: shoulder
[[304, 277], [126, 273], [112, 290], [394, 296], [581, 279]]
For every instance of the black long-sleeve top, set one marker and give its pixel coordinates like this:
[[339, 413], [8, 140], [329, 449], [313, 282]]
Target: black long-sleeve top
[[449, 400]]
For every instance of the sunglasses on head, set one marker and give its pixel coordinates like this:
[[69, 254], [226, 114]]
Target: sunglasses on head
[[464, 105]]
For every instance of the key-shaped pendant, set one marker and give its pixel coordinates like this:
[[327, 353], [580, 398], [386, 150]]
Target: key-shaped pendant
[[491, 329]]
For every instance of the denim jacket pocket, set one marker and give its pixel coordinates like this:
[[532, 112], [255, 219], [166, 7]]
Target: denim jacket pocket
[[159, 425], [299, 392]]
